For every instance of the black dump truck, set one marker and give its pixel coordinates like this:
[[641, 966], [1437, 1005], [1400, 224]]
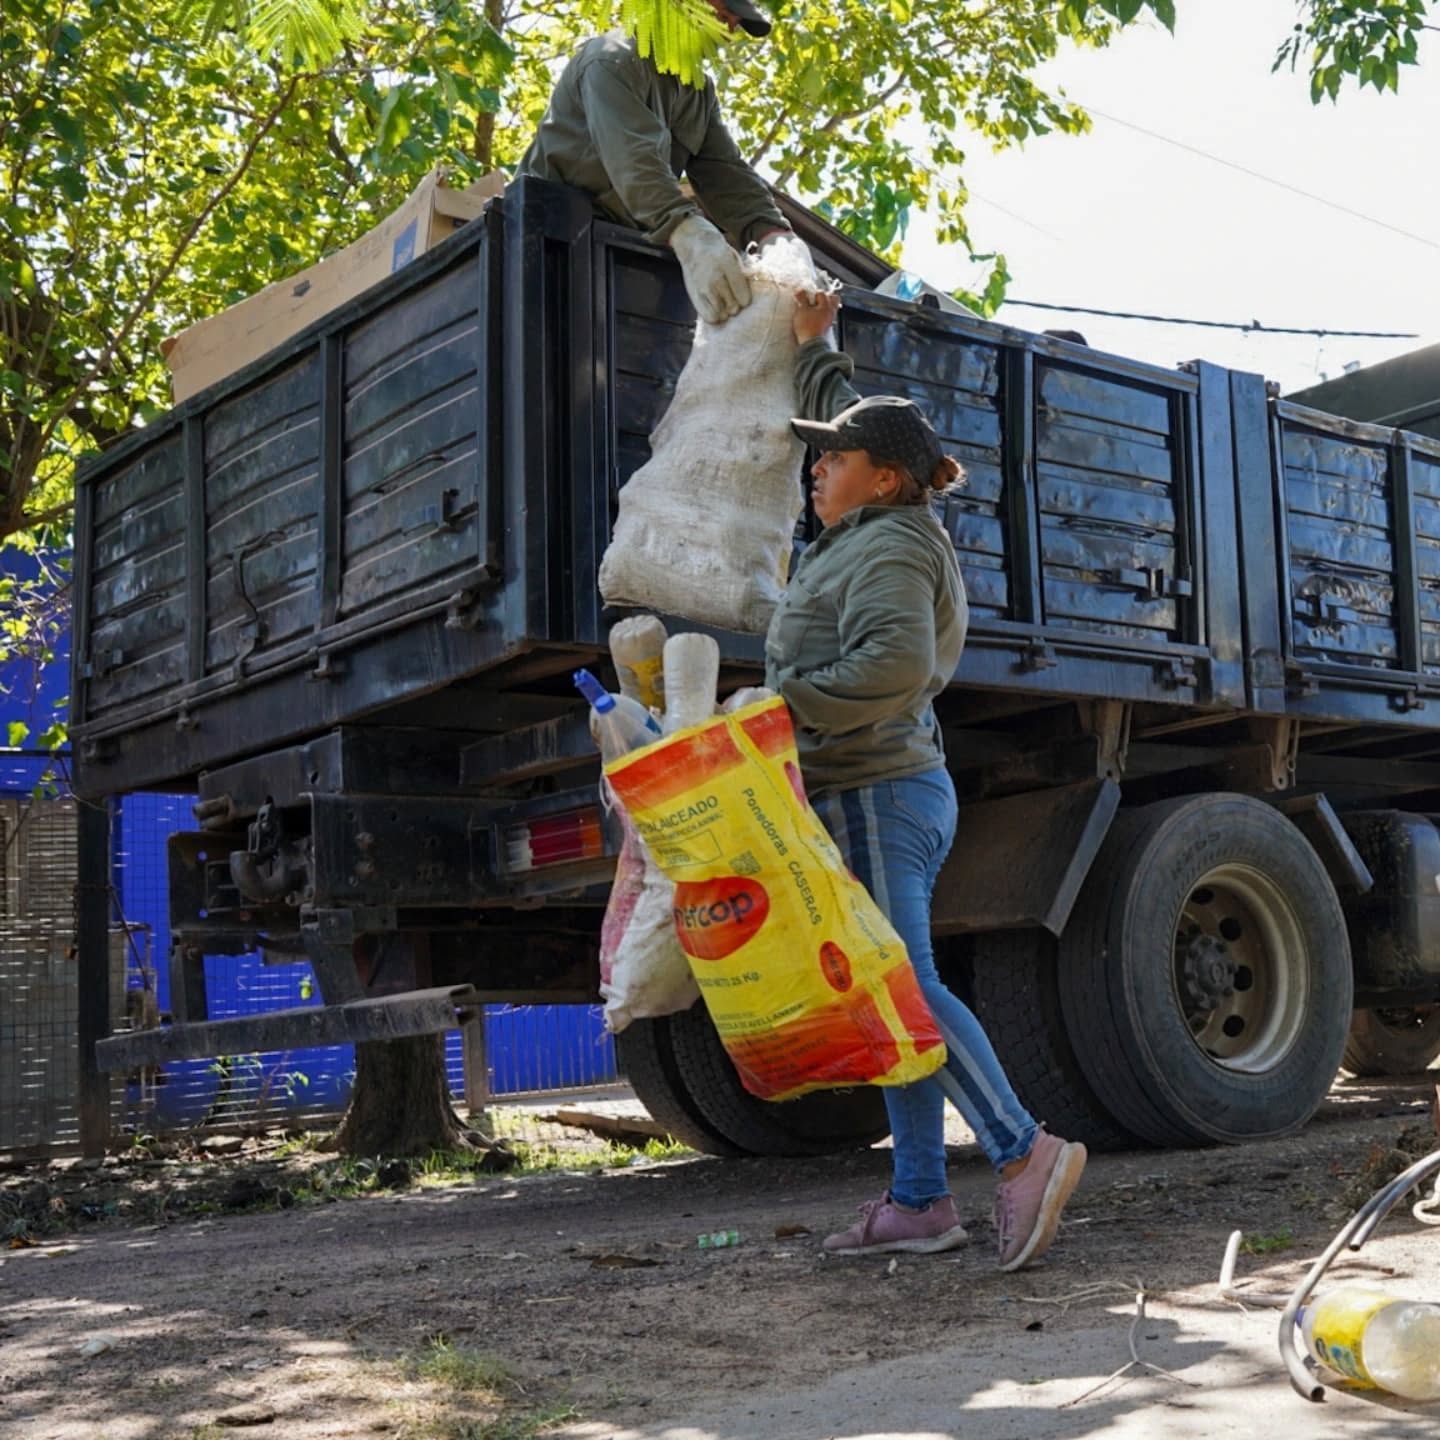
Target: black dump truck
[[1195, 732]]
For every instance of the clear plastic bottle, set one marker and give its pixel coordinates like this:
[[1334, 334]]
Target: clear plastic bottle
[[618, 723], [908, 286], [637, 647], [692, 672], [1376, 1340]]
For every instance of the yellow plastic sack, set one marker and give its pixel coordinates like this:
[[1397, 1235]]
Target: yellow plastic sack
[[806, 981]]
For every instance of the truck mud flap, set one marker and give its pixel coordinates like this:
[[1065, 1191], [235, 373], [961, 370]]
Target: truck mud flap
[[383, 1017], [1019, 862]]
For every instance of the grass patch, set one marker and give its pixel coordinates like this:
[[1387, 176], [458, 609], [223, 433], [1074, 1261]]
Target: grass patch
[[1282, 1239], [457, 1367], [537, 1158], [456, 1167], [526, 1426], [475, 1380]]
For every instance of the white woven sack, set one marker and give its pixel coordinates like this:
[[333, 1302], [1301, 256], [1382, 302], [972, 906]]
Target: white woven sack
[[706, 524], [643, 971]]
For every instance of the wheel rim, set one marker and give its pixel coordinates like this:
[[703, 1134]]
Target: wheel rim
[[1240, 975]]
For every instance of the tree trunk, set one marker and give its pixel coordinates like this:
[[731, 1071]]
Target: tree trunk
[[400, 1104], [485, 121]]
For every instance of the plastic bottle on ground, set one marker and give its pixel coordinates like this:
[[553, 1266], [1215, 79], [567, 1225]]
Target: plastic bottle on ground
[[618, 723], [719, 1240], [1376, 1340], [637, 646]]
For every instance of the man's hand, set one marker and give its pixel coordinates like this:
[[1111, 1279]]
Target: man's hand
[[815, 312], [714, 280]]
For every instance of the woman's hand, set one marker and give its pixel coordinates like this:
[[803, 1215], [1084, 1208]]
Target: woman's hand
[[815, 312]]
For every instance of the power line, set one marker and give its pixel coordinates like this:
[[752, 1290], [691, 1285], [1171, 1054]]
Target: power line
[[1252, 326], [1013, 215], [1268, 179]]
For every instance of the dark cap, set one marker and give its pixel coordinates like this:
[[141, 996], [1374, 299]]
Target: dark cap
[[892, 430], [752, 20]]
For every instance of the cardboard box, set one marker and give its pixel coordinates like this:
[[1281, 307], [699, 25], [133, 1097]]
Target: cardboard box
[[221, 344]]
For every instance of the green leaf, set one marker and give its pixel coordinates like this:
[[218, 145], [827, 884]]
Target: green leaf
[[394, 119], [19, 732], [68, 128], [72, 183]]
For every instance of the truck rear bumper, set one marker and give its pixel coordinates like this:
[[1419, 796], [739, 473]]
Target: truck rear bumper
[[384, 1017]]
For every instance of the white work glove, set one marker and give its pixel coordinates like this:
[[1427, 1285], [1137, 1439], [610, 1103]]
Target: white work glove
[[714, 280]]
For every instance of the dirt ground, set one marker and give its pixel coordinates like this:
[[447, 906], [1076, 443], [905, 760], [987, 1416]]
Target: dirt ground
[[576, 1302]]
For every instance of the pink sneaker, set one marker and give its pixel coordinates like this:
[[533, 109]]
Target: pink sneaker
[[883, 1226], [1027, 1208]]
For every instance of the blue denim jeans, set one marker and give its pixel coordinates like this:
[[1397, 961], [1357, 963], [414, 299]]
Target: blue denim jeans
[[894, 836]]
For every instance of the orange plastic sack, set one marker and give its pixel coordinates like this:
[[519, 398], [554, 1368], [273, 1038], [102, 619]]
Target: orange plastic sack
[[806, 981]]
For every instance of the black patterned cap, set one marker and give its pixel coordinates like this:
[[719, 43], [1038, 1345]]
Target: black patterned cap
[[892, 430], [752, 21]]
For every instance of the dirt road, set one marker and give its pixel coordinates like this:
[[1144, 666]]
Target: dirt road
[[578, 1304]]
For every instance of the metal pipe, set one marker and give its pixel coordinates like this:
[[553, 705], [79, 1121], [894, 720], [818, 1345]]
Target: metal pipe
[[1356, 1231], [1269, 1299]]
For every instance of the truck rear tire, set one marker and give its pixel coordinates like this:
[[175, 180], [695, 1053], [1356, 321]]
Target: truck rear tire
[[1393, 1042], [644, 1057], [695, 1082], [1205, 975], [1016, 985]]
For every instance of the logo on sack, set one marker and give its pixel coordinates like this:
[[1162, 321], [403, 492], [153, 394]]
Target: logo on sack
[[714, 918], [835, 965]]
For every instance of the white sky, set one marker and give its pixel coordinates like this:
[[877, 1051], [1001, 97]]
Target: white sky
[[1119, 220]]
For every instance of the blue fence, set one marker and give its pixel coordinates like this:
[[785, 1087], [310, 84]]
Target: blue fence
[[529, 1048]]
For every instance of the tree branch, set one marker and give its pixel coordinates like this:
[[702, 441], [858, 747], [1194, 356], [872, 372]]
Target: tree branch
[[332, 141], [178, 253], [831, 125], [44, 517], [770, 137]]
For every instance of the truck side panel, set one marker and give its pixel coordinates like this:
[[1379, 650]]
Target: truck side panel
[[1358, 520], [235, 558]]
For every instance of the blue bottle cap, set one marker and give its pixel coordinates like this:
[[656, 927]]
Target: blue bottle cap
[[599, 697]]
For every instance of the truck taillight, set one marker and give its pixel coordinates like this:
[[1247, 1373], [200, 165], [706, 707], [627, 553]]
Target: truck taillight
[[553, 840]]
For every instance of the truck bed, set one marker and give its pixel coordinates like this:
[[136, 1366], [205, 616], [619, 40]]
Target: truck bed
[[399, 516]]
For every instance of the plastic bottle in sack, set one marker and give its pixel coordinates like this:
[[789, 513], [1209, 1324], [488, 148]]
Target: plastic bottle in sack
[[746, 695], [1376, 1340], [617, 722], [637, 646], [692, 671]]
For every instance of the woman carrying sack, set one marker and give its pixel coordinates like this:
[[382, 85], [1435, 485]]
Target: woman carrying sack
[[869, 631]]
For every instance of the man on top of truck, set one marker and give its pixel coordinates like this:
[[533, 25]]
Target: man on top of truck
[[632, 112]]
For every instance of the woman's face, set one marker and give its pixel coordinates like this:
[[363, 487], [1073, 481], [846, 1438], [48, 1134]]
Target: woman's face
[[845, 480]]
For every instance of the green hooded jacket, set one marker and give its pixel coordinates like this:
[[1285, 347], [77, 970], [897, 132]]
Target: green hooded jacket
[[870, 628], [619, 129]]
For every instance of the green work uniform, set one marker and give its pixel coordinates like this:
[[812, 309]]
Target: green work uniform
[[621, 130], [870, 628]]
